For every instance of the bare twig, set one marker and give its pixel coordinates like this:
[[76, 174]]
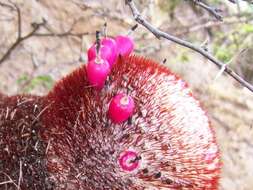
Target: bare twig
[[6, 5], [69, 32], [160, 34], [197, 27], [62, 34], [13, 6], [19, 21], [235, 1], [20, 39], [34, 32], [213, 11]]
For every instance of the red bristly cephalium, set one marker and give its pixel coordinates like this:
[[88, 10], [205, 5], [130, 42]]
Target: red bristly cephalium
[[22, 151], [169, 133]]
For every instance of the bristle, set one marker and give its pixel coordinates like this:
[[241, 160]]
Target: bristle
[[2, 96], [169, 132], [22, 152]]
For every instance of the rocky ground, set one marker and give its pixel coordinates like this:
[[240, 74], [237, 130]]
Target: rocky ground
[[54, 50]]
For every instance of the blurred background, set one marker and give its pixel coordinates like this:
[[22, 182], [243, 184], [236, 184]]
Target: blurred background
[[42, 40]]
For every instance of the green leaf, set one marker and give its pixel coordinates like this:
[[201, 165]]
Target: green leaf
[[30, 84], [184, 57], [22, 79], [247, 28]]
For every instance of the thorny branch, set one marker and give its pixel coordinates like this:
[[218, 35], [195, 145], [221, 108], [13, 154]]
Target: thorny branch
[[212, 10], [160, 34], [235, 1]]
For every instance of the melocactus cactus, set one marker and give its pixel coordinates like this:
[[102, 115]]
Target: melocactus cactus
[[167, 144]]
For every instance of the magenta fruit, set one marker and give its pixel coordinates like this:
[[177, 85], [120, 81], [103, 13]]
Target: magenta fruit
[[104, 52], [97, 72], [121, 108], [125, 45], [111, 43], [129, 161]]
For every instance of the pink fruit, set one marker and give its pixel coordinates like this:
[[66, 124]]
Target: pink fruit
[[105, 52], [111, 43], [125, 45], [129, 160], [121, 108], [97, 72]]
